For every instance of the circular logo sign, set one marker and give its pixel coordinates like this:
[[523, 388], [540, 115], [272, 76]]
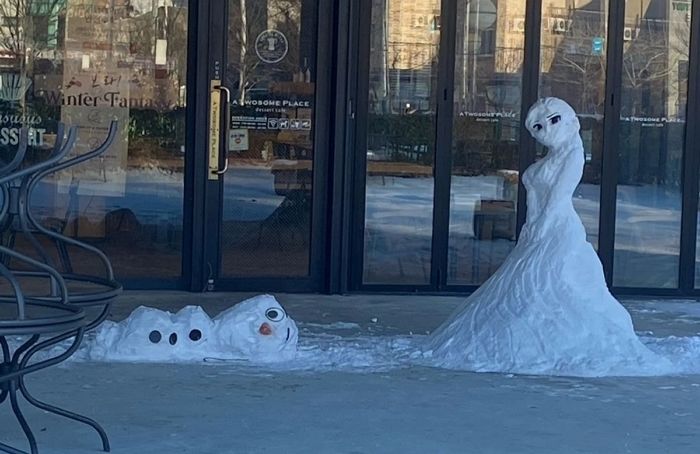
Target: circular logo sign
[[271, 46]]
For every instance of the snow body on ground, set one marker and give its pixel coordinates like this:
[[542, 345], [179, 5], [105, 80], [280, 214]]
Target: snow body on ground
[[255, 328], [373, 337]]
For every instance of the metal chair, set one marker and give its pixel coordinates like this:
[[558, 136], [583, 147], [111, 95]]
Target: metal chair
[[107, 287], [60, 315], [35, 319]]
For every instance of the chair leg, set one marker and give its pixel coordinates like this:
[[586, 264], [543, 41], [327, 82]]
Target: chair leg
[[65, 413], [20, 417], [4, 366], [10, 450], [64, 257], [6, 357]]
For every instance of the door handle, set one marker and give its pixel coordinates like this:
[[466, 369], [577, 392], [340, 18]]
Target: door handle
[[215, 108], [227, 126], [214, 129]]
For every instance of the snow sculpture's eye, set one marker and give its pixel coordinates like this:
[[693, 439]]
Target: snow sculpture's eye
[[195, 335], [172, 339], [155, 336], [555, 119], [275, 315], [537, 126]]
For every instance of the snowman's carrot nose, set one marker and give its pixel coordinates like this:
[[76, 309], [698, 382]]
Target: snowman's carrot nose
[[265, 329]]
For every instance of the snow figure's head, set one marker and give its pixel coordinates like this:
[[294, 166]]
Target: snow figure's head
[[151, 334], [552, 122], [258, 328]]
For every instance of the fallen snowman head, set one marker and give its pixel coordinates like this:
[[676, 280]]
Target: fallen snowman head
[[257, 329]]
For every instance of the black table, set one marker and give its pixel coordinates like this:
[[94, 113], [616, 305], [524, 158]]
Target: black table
[[43, 325]]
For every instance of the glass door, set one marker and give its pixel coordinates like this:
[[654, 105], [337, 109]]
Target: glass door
[[269, 166], [400, 141], [654, 95], [485, 149], [439, 140]]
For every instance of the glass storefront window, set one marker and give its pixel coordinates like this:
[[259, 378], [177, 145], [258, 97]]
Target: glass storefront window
[[573, 53], [486, 131], [85, 63], [271, 72], [404, 38], [651, 135]]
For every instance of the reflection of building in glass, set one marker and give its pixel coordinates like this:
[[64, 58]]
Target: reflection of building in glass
[[84, 63], [656, 56], [573, 53], [29, 29], [140, 41], [654, 76], [489, 55], [403, 55], [258, 59], [654, 83], [656, 41]]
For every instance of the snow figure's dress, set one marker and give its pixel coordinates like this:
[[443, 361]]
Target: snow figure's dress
[[547, 310]]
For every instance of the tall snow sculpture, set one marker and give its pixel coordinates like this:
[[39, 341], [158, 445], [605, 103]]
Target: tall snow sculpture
[[547, 309]]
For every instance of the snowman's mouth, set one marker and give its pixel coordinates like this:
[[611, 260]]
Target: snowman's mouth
[[289, 332]]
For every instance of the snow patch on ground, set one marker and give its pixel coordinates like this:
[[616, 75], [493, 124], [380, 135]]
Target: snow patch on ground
[[670, 329], [361, 353]]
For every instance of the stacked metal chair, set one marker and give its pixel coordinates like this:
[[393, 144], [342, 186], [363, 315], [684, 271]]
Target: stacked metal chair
[[60, 314]]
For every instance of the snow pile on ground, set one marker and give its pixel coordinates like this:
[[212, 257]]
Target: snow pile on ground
[[342, 346], [682, 352], [234, 339], [252, 333]]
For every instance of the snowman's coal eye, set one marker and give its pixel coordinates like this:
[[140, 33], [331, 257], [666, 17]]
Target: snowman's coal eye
[[275, 315], [155, 336], [537, 127], [556, 119], [195, 335], [172, 339]]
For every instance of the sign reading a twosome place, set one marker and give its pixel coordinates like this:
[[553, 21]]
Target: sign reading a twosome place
[[272, 113]]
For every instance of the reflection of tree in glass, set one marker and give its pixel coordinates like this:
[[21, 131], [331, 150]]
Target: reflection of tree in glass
[[24, 28], [570, 65], [170, 25], [25, 34], [651, 60], [655, 80], [247, 19], [156, 134]]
